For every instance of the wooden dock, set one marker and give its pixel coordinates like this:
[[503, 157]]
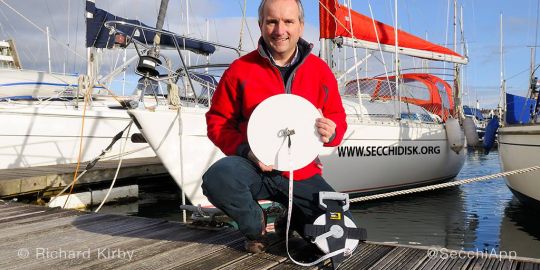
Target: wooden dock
[[20, 181], [35, 237]]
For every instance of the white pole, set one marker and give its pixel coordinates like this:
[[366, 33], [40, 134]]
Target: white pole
[[208, 62], [68, 36], [124, 75], [457, 94], [48, 49], [90, 52], [187, 24], [398, 92], [502, 98]]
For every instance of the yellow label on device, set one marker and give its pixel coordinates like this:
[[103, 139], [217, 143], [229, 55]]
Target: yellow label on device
[[335, 215]]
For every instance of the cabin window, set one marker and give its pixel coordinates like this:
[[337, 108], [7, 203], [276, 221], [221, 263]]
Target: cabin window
[[414, 89], [443, 94], [366, 87]]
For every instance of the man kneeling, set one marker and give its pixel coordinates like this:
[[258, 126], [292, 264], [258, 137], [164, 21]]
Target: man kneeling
[[282, 63]]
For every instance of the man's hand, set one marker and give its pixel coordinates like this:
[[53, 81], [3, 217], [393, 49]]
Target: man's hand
[[262, 166], [326, 127]]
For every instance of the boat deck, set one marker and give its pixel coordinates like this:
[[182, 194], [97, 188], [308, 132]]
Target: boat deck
[[20, 181], [36, 237]]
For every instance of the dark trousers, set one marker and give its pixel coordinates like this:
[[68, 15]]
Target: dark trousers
[[234, 184]]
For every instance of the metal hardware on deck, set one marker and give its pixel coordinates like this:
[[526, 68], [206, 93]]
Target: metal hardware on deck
[[205, 216], [138, 138], [147, 66]]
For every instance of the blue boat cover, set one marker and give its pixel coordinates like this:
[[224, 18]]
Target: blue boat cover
[[473, 112], [97, 35], [519, 109], [491, 134], [208, 82]]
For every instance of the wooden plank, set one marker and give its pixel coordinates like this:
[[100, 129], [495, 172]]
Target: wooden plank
[[508, 265], [230, 253], [174, 254], [528, 266], [102, 246], [28, 180], [147, 243], [50, 234], [33, 225], [273, 256], [158, 244], [81, 238], [401, 258], [365, 256]]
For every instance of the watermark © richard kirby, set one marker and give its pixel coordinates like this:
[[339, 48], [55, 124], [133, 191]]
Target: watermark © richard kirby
[[88, 254], [444, 254]]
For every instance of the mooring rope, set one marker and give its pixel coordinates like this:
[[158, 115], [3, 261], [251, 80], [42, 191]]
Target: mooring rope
[[444, 185]]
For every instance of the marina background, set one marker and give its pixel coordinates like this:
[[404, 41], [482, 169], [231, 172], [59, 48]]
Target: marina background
[[481, 19]]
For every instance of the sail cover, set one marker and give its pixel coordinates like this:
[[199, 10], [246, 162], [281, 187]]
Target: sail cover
[[97, 35], [335, 23]]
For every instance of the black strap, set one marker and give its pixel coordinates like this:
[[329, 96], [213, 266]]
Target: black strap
[[313, 231]]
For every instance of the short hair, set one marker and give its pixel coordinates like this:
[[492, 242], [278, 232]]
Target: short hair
[[300, 7]]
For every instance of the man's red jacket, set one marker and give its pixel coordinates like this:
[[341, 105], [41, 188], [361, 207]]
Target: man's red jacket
[[251, 79]]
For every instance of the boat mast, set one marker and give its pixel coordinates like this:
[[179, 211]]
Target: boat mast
[[457, 90], [398, 92], [325, 52], [533, 89], [242, 26], [502, 98], [90, 52], [49, 48]]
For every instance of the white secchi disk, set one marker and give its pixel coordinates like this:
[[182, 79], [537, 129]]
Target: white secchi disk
[[270, 124]]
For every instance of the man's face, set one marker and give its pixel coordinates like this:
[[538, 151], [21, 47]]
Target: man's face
[[281, 27]]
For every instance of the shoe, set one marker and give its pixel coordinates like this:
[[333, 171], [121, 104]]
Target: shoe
[[260, 243], [256, 246], [280, 225]]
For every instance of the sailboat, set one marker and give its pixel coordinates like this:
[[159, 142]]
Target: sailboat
[[519, 143], [50, 118], [409, 113], [519, 135], [383, 149]]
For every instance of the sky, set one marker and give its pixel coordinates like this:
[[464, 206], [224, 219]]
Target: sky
[[429, 19]]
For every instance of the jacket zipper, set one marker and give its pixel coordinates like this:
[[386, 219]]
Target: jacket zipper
[[288, 84]]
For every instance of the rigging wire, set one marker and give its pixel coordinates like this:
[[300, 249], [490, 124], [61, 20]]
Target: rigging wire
[[355, 53], [26, 50], [41, 29], [380, 47]]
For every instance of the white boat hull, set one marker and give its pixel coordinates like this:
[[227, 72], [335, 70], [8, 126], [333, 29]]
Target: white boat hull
[[519, 147], [180, 141], [420, 155], [16, 83], [33, 135]]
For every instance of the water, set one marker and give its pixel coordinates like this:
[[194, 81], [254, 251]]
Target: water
[[482, 216]]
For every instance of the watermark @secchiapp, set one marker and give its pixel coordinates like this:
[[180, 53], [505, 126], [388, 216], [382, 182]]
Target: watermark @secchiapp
[[444, 254]]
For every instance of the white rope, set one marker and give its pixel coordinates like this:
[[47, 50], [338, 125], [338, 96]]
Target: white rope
[[123, 148], [444, 185], [121, 155], [289, 214], [172, 88]]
